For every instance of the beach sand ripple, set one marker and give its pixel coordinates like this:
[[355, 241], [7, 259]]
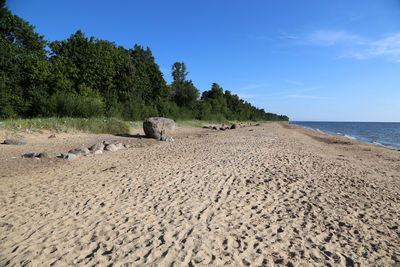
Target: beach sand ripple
[[274, 195]]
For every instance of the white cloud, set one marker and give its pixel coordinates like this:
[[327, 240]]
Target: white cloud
[[330, 38]]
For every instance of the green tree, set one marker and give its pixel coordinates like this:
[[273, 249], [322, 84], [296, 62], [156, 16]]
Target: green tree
[[215, 97], [23, 66], [148, 80], [184, 92]]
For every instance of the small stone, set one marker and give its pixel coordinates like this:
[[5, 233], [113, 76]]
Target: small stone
[[234, 126], [98, 152], [68, 156], [47, 155], [111, 147], [79, 151], [120, 145], [167, 139], [52, 136], [28, 155], [15, 141], [97, 147]]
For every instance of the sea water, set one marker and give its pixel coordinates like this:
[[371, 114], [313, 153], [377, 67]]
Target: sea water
[[379, 133]]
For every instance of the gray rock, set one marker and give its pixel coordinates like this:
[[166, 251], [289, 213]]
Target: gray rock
[[111, 147], [120, 145], [97, 147], [80, 151], [234, 126], [68, 156], [15, 141], [106, 143], [157, 127], [29, 155], [166, 138], [98, 152], [47, 155]]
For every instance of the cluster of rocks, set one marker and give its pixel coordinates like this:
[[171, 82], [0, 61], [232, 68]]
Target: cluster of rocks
[[224, 127], [159, 128], [95, 149]]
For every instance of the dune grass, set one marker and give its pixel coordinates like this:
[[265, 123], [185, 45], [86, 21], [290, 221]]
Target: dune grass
[[90, 125], [183, 123]]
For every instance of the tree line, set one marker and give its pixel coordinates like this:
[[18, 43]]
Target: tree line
[[90, 77]]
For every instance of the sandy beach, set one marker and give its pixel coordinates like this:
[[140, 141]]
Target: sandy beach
[[266, 195]]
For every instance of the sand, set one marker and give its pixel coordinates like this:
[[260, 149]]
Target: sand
[[266, 195]]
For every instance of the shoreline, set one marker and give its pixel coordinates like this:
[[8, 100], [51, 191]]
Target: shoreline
[[375, 143], [261, 195]]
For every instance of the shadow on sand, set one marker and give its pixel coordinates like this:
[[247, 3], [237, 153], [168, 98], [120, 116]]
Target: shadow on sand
[[139, 136]]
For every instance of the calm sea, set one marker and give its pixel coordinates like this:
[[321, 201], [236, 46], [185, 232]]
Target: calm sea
[[379, 133]]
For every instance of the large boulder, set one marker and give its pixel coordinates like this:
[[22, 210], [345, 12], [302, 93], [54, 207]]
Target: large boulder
[[157, 127]]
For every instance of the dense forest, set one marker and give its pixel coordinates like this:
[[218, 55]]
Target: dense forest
[[89, 77]]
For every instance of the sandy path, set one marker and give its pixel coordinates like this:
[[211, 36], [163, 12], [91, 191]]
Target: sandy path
[[256, 196]]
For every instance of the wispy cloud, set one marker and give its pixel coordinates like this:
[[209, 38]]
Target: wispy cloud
[[330, 38], [248, 96], [388, 47], [250, 87], [356, 46], [294, 82]]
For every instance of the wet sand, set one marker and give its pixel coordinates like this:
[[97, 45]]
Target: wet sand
[[266, 195]]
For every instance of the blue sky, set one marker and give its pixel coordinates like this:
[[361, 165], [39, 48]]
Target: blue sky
[[311, 59]]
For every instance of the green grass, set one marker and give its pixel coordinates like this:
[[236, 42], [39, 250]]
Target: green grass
[[199, 123], [91, 125], [135, 124]]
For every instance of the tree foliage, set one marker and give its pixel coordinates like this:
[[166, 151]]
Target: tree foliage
[[90, 77]]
